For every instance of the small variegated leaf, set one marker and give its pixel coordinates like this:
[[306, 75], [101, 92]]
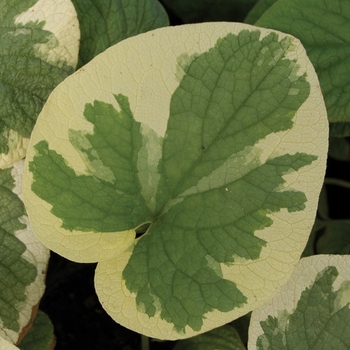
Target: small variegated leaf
[[23, 259], [311, 311]]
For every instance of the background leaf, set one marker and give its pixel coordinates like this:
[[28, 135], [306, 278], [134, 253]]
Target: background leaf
[[40, 336], [39, 46], [258, 10], [105, 23], [210, 11], [339, 129], [323, 27], [23, 259], [339, 148], [335, 238], [310, 311], [223, 338]]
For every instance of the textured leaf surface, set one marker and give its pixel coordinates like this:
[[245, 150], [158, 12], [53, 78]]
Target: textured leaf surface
[[39, 47], [177, 144], [23, 259], [310, 312], [40, 336], [324, 29], [105, 23], [223, 338]]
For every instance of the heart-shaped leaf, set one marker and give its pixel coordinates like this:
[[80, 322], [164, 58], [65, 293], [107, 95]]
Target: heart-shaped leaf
[[210, 145]]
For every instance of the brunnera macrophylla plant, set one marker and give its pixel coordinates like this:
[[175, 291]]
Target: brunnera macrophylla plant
[[188, 163]]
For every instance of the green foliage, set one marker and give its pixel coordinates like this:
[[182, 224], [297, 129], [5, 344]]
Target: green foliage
[[16, 273], [175, 236], [213, 126], [316, 308], [317, 318], [82, 202], [323, 28], [223, 338], [339, 148], [41, 334], [22, 97], [105, 23], [258, 10]]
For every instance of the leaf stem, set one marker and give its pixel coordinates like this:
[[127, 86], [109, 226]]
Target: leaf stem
[[144, 342], [337, 182]]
